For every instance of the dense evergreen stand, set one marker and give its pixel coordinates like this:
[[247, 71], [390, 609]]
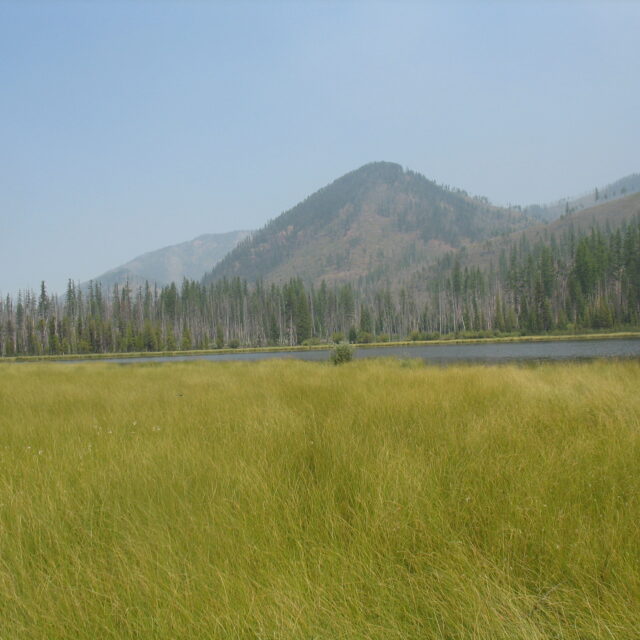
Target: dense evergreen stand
[[572, 282]]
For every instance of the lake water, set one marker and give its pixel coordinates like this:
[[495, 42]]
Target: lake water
[[487, 353]]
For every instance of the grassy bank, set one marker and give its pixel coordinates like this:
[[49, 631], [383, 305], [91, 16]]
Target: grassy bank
[[451, 339], [380, 500]]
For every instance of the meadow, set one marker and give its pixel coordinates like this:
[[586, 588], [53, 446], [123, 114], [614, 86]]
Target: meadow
[[277, 500]]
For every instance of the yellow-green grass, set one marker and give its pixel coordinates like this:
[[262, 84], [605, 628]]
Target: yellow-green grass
[[379, 499]]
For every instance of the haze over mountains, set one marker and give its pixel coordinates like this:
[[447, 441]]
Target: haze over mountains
[[381, 253], [619, 189], [378, 217], [610, 214], [379, 221], [189, 259]]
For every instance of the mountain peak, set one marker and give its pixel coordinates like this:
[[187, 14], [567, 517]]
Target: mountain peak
[[381, 168], [374, 218]]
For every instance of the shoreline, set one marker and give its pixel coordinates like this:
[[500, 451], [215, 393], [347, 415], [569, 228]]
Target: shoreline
[[83, 357]]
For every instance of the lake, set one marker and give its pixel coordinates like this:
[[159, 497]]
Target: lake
[[488, 352]]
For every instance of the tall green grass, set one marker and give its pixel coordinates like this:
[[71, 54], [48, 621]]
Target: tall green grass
[[380, 500]]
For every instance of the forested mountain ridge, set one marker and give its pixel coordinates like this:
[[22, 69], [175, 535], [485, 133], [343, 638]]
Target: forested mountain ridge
[[376, 217], [191, 259], [610, 214], [585, 279], [579, 272], [619, 189]]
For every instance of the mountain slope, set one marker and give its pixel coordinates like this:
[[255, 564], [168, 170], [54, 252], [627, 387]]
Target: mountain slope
[[610, 214], [191, 259], [619, 189], [377, 218]]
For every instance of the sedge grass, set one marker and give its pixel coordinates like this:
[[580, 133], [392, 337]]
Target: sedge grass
[[380, 499]]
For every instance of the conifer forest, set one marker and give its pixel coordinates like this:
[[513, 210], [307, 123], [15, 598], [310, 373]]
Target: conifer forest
[[576, 281]]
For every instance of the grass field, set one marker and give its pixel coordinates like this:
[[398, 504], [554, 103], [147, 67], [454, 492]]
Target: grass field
[[274, 500]]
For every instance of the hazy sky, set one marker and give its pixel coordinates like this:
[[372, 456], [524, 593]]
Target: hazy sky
[[128, 126]]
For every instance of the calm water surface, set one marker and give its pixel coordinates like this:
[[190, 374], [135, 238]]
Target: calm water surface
[[445, 353]]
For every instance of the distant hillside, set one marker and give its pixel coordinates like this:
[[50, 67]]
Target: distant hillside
[[378, 217], [611, 214], [619, 189], [399, 257], [190, 259]]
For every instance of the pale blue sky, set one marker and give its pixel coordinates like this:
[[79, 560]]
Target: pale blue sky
[[128, 126]]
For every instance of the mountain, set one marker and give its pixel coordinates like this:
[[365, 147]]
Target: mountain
[[190, 259], [610, 214], [376, 220], [619, 189], [407, 257], [379, 223]]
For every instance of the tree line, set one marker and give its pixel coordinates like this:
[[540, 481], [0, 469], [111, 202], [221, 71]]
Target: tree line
[[572, 282]]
